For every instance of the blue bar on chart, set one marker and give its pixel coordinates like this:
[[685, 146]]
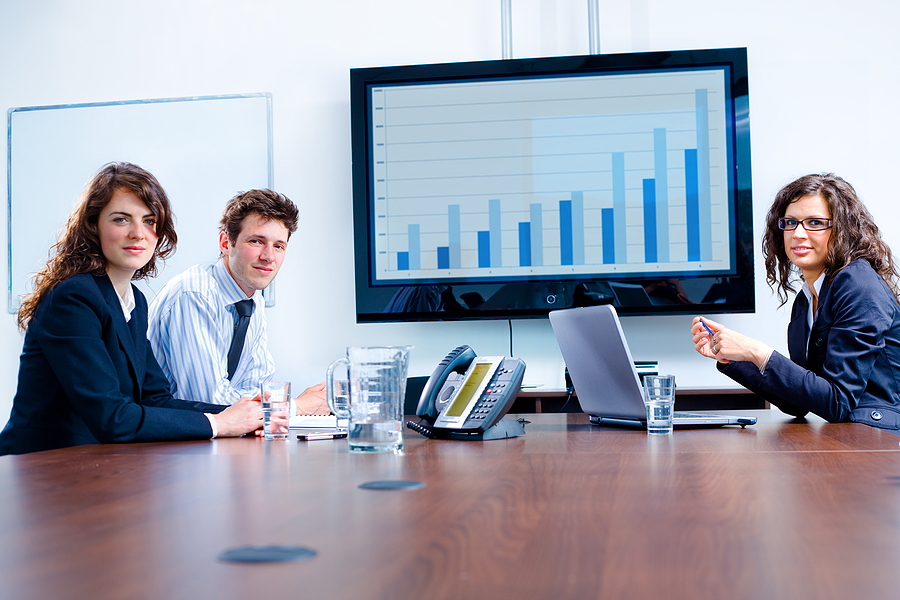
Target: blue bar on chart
[[703, 184], [608, 231], [650, 247], [495, 229], [578, 228], [661, 175], [524, 244], [403, 261], [484, 249], [618, 178], [537, 234], [454, 237], [692, 204], [414, 247], [565, 232], [443, 257], [571, 230]]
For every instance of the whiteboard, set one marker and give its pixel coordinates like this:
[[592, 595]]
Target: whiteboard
[[203, 150]]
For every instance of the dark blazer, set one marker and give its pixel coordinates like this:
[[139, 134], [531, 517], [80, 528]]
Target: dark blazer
[[850, 370], [88, 376]]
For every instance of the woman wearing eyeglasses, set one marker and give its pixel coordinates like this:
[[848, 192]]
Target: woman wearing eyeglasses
[[844, 334]]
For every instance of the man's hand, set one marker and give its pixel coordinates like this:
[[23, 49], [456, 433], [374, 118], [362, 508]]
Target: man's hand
[[242, 417], [312, 401]]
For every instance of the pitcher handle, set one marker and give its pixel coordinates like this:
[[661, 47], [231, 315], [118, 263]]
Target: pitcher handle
[[340, 410]]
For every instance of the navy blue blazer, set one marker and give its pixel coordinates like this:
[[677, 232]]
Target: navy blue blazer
[[88, 376], [850, 368]]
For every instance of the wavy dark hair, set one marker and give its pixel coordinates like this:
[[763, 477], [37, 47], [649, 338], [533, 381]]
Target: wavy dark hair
[[271, 206], [78, 249], [854, 234]]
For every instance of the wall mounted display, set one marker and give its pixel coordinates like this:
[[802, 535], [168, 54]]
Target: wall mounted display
[[506, 189]]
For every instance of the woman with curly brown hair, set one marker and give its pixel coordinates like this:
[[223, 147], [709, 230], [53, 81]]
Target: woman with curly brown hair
[[86, 373], [844, 333]]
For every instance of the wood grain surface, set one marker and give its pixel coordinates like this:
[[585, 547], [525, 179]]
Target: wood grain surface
[[782, 509]]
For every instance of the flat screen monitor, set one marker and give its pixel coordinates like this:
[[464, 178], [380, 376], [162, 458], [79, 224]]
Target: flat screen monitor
[[507, 189]]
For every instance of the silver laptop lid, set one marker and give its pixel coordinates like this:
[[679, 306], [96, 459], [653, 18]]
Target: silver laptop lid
[[599, 361]]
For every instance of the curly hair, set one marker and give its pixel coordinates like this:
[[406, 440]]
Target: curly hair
[[79, 251], [269, 205], [854, 234]]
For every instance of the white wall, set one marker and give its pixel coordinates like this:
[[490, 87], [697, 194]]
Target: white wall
[[822, 80]]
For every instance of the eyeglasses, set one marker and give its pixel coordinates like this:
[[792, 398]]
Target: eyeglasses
[[808, 224]]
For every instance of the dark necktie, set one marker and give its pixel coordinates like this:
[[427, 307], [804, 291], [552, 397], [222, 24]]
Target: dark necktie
[[244, 309]]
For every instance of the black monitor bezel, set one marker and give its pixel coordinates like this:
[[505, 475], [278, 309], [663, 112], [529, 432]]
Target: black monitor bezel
[[362, 78]]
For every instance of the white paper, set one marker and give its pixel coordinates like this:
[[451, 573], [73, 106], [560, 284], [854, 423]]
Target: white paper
[[313, 421]]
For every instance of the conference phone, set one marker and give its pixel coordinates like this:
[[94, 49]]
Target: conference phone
[[467, 396]]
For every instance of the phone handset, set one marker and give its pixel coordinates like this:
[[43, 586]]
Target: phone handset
[[457, 361]]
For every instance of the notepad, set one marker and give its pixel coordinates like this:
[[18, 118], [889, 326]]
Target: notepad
[[313, 421]]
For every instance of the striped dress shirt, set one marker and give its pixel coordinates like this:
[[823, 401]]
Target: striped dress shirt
[[192, 321]]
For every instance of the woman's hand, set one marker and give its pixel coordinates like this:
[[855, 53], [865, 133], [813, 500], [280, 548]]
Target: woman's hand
[[725, 345], [702, 338]]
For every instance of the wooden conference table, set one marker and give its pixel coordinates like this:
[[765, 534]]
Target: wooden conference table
[[778, 510]]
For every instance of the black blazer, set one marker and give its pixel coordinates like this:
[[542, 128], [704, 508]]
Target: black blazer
[[88, 376], [849, 370]]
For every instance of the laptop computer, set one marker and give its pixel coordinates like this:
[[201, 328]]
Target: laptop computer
[[603, 373]]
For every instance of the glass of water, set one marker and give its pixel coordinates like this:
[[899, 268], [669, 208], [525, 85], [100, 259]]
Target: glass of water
[[659, 400], [276, 407]]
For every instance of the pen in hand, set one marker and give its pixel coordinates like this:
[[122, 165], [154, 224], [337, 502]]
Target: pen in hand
[[712, 346]]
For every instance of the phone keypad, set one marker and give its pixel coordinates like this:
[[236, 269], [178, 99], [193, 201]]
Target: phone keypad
[[492, 394]]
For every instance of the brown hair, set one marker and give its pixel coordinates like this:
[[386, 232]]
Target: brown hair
[[269, 205], [854, 234], [78, 250]]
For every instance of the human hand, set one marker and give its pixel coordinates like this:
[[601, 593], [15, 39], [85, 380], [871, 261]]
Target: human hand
[[312, 401], [242, 417], [702, 337], [725, 345]]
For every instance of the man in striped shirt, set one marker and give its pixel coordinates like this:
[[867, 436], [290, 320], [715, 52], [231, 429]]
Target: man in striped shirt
[[194, 317]]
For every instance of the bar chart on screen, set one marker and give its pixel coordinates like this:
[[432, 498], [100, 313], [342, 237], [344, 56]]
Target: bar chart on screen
[[621, 174]]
